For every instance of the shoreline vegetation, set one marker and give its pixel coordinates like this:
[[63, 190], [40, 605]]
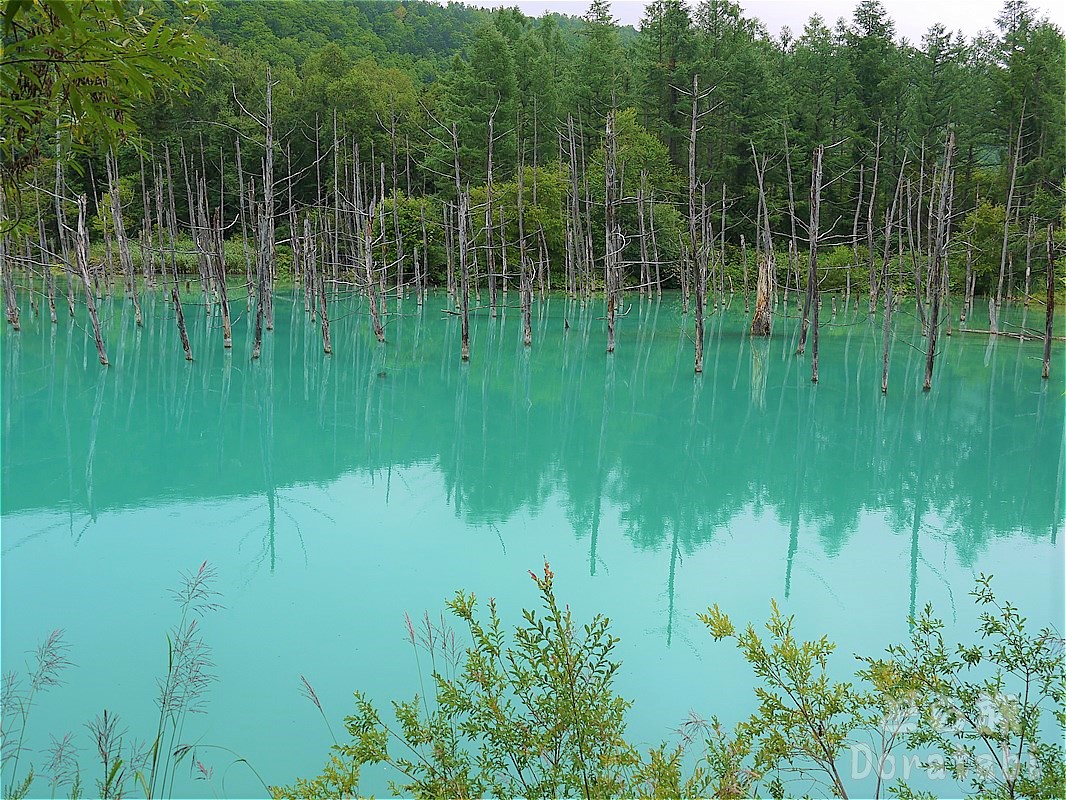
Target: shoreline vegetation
[[532, 712]]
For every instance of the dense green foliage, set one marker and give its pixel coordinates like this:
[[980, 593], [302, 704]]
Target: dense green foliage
[[81, 69], [391, 79]]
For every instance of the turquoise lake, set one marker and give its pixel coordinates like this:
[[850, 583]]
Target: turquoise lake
[[335, 493]]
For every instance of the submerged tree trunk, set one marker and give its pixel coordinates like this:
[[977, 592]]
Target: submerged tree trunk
[[760, 321], [1029, 258], [610, 255], [812, 233], [870, 223], [125, 257], [885, 334], [8, 277], [814, 344], [1050, 312], [525, 280], [1006, 223], [490, 250], [696, 267], [311, 251], [939, 257], [172, 235], [82, 256], [464, 272]]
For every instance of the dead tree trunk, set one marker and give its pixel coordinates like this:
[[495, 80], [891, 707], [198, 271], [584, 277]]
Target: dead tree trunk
[[241, 205], [63, 229], [890, 220], [490, 254], [397, 235], [371, 280], [654, 247], [610, 255], [1006, 222], [310, 249], [812, 234], [46, 258], [793, 249], [145, 240], [915, 260], [7, 266], [817, 302], [760, 322], [967, 297], [464, 272], [219, 259], [885, 334], [1029, 258], [172, 235], [645, 272], [526, 282], [855, 235], [939, 257], [260, 276], [125, 257], [82, 255], [870, 223], [423, 287], [267, 242], [1049, 317], [693, 240]]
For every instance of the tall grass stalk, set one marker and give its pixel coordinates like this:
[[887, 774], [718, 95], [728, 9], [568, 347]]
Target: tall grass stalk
[[17, 701], [187, 677]]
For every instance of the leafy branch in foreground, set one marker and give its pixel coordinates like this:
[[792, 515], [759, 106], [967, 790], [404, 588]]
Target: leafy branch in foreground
[[980, 706], [971, 713], [534, 714], [531, 714]]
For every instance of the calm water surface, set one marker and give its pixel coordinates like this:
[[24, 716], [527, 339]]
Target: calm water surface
[[334, 494]]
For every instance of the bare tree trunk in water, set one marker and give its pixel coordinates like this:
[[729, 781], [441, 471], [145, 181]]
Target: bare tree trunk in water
[[609, 254], [371, 281], [267, 243], [1029, 258], [220, 279], [46, 260], [693, 246], [1050, 313], [870, 222], [812, 234], [915, 260], [7, 266], [855, 235], [814, 343], [645, 272], [82, 256], [885, 334], [939, 257], [63, 229], [172, 235], [464, 272], [323, 311], [744, 261], [490, 251], [526, 285], [1006, 222], [125, 257], [760, 321]]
